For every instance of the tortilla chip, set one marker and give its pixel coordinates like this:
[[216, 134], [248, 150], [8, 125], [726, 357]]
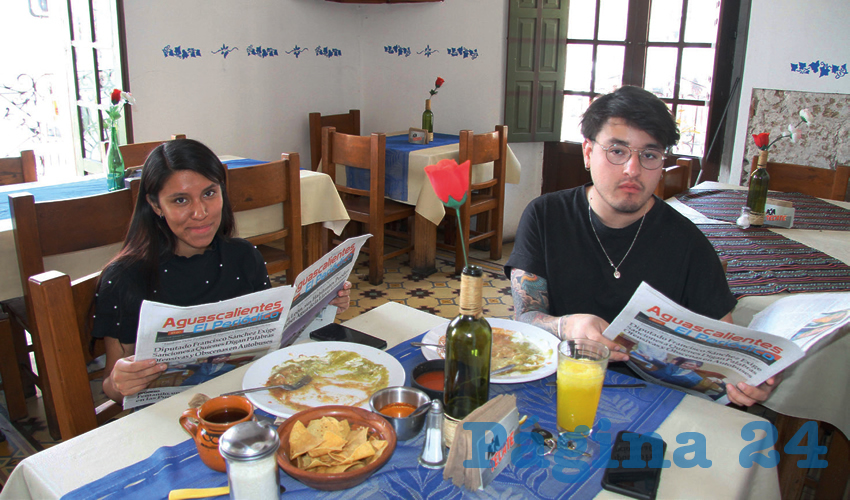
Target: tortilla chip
[[301, 441], [331, 442], [365, 450]]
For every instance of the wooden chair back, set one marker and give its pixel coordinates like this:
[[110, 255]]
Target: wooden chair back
[[48, 228], [18, 169], [368, 207], [486, 199], [273, 183], [348, 123], [676, 179], [813, 181], [135, 154], [63, 312]]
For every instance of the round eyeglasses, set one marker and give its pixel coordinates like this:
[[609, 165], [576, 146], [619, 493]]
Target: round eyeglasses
[[650, 159]]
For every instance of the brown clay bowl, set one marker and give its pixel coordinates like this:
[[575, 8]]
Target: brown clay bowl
[[357, 417]]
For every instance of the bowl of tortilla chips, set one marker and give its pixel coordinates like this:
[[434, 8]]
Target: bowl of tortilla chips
[[334, 447]]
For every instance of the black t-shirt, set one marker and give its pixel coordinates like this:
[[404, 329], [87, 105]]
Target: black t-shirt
[[554, 240], [229, 268]]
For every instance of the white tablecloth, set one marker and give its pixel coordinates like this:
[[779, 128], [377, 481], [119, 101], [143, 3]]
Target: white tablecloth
[[79, 461], [320, 202], [816, 387]]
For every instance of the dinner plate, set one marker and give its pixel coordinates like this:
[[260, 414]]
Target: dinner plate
[[541, 338], [260, 371]]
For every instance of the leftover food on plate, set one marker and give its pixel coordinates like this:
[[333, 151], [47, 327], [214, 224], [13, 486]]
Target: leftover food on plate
[[339, 378], [511, 347]]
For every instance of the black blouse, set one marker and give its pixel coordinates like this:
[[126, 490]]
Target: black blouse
[[229, 268]]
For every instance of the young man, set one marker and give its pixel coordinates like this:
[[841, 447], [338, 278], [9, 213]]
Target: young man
[[581, 253]]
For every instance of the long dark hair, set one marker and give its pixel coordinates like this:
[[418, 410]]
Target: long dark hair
[[149, 239]]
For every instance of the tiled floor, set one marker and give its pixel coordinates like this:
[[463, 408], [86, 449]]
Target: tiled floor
[[436, 294]]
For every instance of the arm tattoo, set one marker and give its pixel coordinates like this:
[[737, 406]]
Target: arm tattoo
[[531, 300]]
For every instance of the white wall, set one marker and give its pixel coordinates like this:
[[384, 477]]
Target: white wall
[[784, 32], [258, 108]]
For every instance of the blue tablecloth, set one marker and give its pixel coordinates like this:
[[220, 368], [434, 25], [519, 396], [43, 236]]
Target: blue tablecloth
[[74, 189], [638, 410], [396, 165]]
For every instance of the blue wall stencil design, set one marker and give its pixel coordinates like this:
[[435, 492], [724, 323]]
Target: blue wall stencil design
[[297, 51], [820, 68], [261, 52], [225, 50], [427, 51], [463, 51], [397, 50], [180, 53], [324, 51]]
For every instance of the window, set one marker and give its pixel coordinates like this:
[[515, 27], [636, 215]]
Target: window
[[96, 70], [664, 46]]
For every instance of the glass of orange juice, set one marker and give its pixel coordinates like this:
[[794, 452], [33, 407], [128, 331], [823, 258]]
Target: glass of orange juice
[[581, 371]]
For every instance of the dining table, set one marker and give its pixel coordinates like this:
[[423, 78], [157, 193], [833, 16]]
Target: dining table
[[815, 387], [321, 207], [144, 454], [406, 182]]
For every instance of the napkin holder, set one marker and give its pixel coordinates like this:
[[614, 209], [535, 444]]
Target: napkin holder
[[779, 213], [417, 136], [496, 424]]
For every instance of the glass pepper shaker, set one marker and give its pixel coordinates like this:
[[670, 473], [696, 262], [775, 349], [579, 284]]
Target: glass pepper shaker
[[433, 454], [250, 450]]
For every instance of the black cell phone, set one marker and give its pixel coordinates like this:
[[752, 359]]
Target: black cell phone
[[339, 333], [641, 482]]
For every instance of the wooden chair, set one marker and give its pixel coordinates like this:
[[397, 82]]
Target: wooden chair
[[18, 169], [277, 182], [676, 179], [368, 207], [813, 181], [43, 229], [63, 312], [486, 200], [348, 123], [135, 154]]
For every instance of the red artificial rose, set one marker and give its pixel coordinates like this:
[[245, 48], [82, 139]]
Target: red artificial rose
[[450, 181], [116, 96], [761, 140], [439, 83]]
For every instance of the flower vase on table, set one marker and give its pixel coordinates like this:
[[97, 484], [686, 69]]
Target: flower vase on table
[[428, 115], [114, 162], [757, 194]]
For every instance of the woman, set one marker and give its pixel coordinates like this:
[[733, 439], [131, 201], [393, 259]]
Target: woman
[[179, 250]]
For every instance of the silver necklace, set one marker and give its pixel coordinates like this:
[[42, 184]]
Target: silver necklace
[[617, 267]]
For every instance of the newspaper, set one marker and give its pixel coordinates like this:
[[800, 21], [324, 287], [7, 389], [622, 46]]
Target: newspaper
[[675, 347], [201, 342]]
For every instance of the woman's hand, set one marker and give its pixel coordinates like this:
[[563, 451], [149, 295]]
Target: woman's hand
[[126, 376], [343, 298], [588, 326], [130, 376]]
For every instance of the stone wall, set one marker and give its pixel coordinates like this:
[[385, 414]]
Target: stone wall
[[824, 143]]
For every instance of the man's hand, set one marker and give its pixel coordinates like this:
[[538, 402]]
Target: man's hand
[[747, 395], [588, 326]]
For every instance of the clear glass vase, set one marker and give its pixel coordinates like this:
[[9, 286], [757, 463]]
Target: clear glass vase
[[114, 162]]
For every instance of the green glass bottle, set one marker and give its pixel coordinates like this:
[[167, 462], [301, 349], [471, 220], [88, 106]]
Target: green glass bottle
[[114, 162], [757, 195], [468, 344], [428, 120]]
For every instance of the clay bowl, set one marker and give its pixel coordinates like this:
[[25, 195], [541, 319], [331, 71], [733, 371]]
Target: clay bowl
[[435, 365], [357, 417]]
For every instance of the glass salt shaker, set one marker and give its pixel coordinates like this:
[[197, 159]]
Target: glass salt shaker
[[250, 450], [433, 454]]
